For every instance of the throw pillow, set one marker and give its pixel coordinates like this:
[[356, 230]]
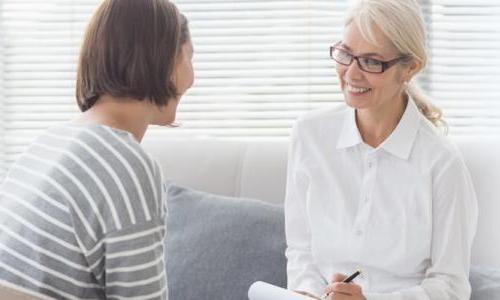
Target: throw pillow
[[217, 246]]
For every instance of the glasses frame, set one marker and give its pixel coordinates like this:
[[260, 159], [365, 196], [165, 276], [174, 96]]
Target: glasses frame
[[385, 64]]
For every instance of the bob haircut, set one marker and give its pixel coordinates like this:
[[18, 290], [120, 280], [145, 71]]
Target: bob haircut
[[130, 49]]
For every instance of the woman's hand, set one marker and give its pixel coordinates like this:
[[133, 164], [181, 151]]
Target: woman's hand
[[338, 290], [306, 294]]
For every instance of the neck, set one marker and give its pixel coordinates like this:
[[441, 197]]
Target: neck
[[375, 125], [124, 113]]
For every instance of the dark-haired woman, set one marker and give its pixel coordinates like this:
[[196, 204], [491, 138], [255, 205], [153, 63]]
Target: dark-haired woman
[[82, 210]]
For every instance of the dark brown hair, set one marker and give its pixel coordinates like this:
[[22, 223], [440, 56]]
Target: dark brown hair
[[129, 50]]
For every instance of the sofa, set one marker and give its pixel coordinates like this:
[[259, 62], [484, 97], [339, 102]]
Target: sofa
[[225, 221]]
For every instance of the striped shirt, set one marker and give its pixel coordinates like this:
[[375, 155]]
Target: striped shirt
[[82, 217]]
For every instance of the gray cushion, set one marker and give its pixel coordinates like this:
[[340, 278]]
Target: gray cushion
[[485, 283], [218, 246]]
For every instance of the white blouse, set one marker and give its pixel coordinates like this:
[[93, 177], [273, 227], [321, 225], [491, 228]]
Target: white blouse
[[404, 213]]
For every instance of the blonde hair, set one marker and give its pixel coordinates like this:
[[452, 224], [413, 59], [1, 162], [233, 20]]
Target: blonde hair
[[401, 21]]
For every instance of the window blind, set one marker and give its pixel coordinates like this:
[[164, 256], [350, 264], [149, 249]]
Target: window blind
[[258, 65], [2, 131], [39, 54], [464, 71]]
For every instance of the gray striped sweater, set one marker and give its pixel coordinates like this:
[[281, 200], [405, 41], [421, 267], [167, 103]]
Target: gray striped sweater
[[82, 217]]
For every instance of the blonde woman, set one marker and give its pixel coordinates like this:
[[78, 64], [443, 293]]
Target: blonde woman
[[82, 212], [375, 184]]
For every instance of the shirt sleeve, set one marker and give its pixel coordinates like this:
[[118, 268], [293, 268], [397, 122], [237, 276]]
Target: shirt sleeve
[[134, 262], [302, 272], [454, 226], [134, 256]]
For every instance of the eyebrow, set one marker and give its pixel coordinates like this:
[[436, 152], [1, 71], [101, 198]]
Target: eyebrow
[[370, 54]]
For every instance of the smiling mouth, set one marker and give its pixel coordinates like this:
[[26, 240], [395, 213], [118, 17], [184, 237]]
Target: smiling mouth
[[357, 90]]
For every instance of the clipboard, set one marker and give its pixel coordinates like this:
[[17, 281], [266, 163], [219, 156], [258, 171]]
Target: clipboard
[[260, 290]]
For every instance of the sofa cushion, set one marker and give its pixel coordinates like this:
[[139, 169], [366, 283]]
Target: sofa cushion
[[218, 246], [485, 283]]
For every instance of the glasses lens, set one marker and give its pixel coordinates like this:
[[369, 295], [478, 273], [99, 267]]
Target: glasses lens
[[341, 56], [371, 65]]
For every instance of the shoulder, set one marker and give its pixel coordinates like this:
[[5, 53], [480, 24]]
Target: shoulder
[[105, 147], [113, 170], [438, 149]]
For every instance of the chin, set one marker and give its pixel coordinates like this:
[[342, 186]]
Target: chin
[[357, 102], [168, 122], [167, 114], [164, 120]]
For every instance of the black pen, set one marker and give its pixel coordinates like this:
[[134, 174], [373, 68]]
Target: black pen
[[351, 278], [347, 280]]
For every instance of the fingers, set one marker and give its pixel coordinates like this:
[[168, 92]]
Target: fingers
[[338, 277], [350, 289]]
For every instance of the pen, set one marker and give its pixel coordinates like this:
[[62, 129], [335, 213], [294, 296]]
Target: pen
[[347, 280]]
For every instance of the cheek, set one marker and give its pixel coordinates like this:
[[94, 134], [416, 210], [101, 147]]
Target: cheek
[[185, 76], [190, 75], [385, 85], [385, 90], [377, 83]]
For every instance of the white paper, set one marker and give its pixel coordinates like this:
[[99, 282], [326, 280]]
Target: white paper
[[264, 291]]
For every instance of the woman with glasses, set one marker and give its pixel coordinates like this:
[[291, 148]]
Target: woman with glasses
[[374, 184], [82, 211]]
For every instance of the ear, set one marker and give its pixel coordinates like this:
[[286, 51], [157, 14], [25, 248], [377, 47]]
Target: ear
[[412, 68]]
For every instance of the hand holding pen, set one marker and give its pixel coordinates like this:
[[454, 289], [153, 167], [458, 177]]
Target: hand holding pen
[[342, 289]]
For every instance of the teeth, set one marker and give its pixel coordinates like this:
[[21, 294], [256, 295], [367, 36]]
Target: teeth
[[353, 89]]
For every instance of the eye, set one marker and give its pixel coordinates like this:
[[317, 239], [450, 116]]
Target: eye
[[370, 62], [342, 54]]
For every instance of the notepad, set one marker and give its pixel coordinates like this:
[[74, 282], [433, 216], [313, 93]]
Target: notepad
[[264, 291]]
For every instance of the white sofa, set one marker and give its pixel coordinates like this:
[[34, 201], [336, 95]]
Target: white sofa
[[257, 169]]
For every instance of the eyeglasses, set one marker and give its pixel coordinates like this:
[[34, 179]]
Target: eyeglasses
[[366, 64]]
